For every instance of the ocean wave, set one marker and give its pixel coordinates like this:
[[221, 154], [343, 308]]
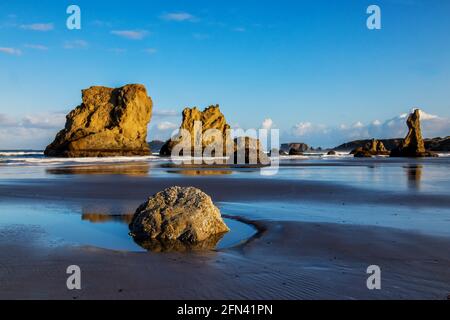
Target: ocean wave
[[20, 153], [65, 161]]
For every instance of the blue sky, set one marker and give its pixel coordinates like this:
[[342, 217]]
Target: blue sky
[[310, 67]]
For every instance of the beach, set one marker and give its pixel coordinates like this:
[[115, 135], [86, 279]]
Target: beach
[[317, 226]]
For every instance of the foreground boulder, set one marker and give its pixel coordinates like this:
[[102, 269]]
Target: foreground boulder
[[413, 145], [373, 148], [109, 122], [210, 118], [177, 219]]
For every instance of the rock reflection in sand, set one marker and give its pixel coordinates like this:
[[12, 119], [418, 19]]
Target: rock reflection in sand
[[134, 169], [240, 233], [201, 172], [102, 218], [156, 245], [414, 175]]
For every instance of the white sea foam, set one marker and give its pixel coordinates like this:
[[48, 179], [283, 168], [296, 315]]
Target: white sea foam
[[20, 153], [64, 161]]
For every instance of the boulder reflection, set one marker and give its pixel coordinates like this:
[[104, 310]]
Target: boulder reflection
[[158, 245], [135, 169], [154, 245]]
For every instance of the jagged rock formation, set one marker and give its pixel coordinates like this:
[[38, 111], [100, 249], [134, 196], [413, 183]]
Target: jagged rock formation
[[373, 148], [438, 144], [413, 145], [156, 145], [178, 219], [352, 145], [294, 149], [209, 141], [249, 151], [210, 118], [434, 144], [109, 122]]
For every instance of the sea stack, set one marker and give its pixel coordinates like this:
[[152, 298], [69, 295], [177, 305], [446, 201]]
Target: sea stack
[[109, 122], [373, 148], [208, 131], [210, 118], [413, 145]]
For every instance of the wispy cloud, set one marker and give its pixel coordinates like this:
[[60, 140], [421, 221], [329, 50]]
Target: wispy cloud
[[239, 29], [150, 50], [36, 47], [179, 17], [130, 34], [166, 125], [166, 113], [101, 24], [76, 44], [118, 50], [201, 36], [11, 51], [43, 27], [267, 124], [331, 136], [32, 131]]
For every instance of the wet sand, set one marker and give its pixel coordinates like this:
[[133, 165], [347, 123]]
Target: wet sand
[[392, 214], [289, 261]]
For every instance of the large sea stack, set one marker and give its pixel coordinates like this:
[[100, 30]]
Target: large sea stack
[[413, 145], [109, 122], [210, 118]]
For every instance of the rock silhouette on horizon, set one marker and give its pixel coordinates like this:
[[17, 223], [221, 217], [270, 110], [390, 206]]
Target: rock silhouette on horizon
[[109, 122], [413, 144], [373, 148]]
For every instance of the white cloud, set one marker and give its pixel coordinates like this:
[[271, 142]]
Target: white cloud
[[166, 125], [239, 29], [200, 36], [118, 50], [267, 124], [329, 136], [150, 50], [76, 44], [29, 132], [11, 51], [44, 121], [130, 34], [166, 113], [43, 27], [6, 121], [36, 47], [179, 17]]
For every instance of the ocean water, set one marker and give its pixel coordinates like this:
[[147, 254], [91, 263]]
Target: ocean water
[[389, 179]]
